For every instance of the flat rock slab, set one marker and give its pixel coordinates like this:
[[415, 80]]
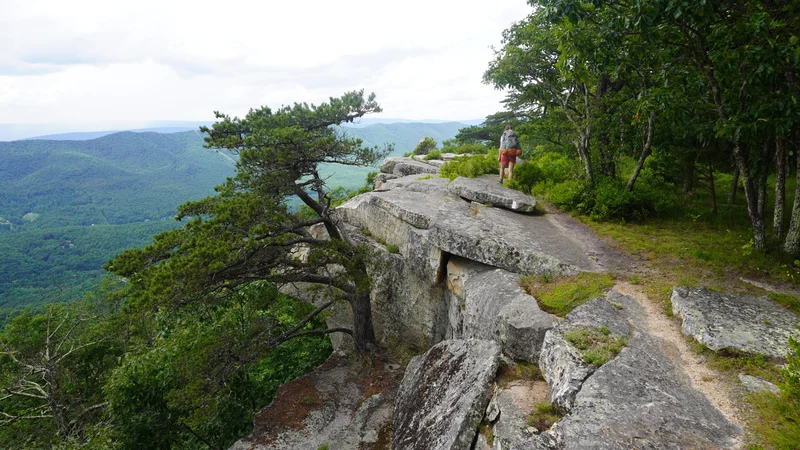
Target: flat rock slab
[[518, 243], [486, 190], [735, 322], [444, 395], [330, 405], [407, 166], [493, 236], [756, 384], [642, 399]]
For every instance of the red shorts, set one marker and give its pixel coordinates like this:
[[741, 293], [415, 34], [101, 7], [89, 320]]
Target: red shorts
[[505, 159]]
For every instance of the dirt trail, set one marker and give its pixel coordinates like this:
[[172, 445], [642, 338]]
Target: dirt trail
[[704, 379]]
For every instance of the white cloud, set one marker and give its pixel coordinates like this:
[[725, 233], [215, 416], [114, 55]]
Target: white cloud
[[90, 61]]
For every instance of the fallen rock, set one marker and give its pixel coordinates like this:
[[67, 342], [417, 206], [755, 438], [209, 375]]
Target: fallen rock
[[756, 384], [500, 238], [642, 399], [406, 166], [443, 396], [736, 322], [497, 308], [486, 190]]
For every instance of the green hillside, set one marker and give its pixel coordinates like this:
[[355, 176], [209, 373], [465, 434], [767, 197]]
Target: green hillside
[[69, 206], [66, 207]]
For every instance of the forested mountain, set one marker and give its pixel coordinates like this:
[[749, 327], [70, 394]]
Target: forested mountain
[[66, 207]]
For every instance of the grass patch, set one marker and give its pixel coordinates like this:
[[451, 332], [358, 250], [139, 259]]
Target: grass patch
[[561, 294], [391, 248], [787, 301], [426, 177], [735, 362], [488, 432], [543, 416], [597, 346]]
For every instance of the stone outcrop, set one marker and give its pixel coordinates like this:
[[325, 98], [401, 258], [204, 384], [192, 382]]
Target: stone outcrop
[[756, 384], [562, 363], [444, 395], [488, 303], [640, 399], [486, 190], [330, 405], [407, 166], [735, 322]]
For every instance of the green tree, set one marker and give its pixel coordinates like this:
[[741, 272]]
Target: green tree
[[247, 234], [426, 144]]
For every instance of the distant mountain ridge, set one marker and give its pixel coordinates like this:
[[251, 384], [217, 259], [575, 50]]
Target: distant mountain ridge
[[67, 206]]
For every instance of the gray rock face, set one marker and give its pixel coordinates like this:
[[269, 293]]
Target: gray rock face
[[381, 179], [497, 308], [486, 190], [732, 321], [407, 166], [443, 396], [508, 413], [561, 363], [641, 399], [338, 414], [756, 384], [500, 238]]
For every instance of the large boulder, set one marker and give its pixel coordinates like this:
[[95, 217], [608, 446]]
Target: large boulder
[[443, 396], [562, 364], [500, 238], [640, 399], [407, 166], [490, 304], [486, 190], [732, 321], [331, 405]]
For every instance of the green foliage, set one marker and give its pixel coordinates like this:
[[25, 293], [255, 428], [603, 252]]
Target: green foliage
[[391, 248], [526, 175], [433, 154], [203, 377], [426, 145], [543, 416], [597, 346], [561, 294], [471, 166]]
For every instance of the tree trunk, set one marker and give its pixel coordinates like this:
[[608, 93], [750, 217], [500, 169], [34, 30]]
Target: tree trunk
[[762, 184], [688, 173], [750, 195], [734, 186], [712, 188], [780, 187], [646, 150], [363, 332], [792, 243]]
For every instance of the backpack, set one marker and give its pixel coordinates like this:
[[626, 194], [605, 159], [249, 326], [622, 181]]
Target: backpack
[[512, 141]]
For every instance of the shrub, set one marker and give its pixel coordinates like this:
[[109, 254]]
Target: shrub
[[471, 166], [425, 145], [433, 154], [555, 167], [526, 175]]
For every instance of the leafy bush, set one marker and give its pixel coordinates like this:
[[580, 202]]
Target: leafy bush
[[526, 175], [425, 145], [451, 146], [555, 167], [471, 166], [433, 154]]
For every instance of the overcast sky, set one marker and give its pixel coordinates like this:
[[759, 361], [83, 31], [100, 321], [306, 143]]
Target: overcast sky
[[99, 61]]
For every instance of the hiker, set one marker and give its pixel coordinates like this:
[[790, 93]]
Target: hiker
[[509, 150]]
